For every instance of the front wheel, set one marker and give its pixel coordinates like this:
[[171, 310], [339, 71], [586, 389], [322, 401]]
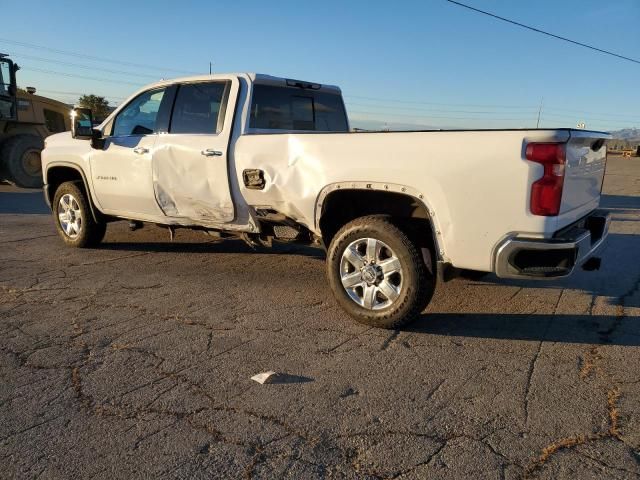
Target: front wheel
[[377, 273], [74, 221]]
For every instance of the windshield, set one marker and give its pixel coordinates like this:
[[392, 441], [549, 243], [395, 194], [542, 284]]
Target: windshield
[[5, 77]]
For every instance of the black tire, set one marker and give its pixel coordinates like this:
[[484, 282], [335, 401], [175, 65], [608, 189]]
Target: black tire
[[90, 232], [22, 165], [415, 289]]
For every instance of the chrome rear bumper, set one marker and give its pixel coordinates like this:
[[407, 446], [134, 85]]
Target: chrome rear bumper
[[553, 257]]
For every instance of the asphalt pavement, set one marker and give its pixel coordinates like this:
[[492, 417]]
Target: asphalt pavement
[[133, 360]]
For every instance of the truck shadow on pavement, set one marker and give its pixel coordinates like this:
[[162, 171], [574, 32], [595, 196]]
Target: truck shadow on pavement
[[576, 329]]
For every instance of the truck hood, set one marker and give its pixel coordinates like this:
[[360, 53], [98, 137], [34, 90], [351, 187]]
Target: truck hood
[[56, 138]]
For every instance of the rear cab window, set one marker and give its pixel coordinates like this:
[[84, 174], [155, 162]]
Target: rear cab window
[[291, 108]]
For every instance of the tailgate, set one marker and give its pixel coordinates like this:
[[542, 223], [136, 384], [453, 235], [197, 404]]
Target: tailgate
[[586, 158]]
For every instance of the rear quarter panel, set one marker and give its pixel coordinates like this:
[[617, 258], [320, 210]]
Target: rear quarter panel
[[476, 183]]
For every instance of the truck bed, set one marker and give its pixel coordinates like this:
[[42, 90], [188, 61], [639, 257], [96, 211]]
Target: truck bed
[[476, 183]]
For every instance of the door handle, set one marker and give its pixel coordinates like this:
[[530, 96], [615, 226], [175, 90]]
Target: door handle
[[210, 152], [140, 150]]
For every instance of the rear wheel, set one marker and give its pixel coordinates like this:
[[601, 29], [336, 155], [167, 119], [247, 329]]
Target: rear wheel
[[23, 166], [74, 221], [377, 274]]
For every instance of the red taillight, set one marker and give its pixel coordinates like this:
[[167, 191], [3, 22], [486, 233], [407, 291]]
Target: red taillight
[[546, 193]]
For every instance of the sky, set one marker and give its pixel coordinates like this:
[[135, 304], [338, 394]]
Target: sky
[[402, 64]]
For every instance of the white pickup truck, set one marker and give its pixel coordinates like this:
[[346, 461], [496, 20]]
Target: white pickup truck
[[264, 158]]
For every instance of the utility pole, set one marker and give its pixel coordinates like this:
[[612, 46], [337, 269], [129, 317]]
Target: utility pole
[[539, 113], [209, 68]]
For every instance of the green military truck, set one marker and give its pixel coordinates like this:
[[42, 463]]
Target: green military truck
[[26, 120]]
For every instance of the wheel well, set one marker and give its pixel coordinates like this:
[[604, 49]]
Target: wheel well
[[56, 176], [342, 206]]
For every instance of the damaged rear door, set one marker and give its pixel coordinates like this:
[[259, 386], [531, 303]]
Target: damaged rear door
[[190, 163]]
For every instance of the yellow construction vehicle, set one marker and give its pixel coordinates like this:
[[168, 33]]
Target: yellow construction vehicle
[[26, 120]]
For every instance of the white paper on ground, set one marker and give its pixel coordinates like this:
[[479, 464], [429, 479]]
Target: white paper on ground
[[264, 377]]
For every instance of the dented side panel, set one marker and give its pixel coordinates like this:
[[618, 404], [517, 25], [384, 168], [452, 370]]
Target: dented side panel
[[191, 171], [189, 184]]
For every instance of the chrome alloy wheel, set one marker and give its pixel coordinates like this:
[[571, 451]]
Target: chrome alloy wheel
[[69, 215], [371, 273]]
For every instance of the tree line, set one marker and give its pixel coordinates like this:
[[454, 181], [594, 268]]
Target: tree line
[[99, 106]]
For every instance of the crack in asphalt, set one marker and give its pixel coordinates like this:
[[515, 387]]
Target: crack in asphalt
[[393, 336], [260, 456], [534, 361], [607, 465], [111, 324], [567, 443], [591, 365], [17, 240]]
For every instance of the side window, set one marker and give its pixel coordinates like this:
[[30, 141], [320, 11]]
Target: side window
[[199, 108], [286, 108], [140, 115], [54, 121]]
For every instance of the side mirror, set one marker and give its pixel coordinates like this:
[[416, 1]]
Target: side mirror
[[82, 123], [97, 139]]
